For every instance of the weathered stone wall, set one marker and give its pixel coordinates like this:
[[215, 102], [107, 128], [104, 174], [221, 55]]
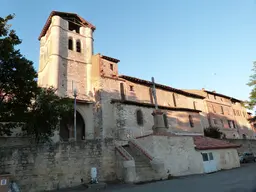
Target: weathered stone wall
[[246, 145], [38, 168], [125, 120], [178, 153]]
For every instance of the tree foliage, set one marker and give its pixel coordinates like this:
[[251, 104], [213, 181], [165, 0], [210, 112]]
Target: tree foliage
[[17, 78], [45, 113], [22, 103], [252, 83], [213, 132]]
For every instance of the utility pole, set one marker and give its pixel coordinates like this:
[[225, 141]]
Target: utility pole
[[75, 95]]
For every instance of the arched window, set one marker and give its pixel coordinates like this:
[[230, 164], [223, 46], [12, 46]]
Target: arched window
[[78, 46], [70, 44], [191, 122], [165, 120], [139, 116]]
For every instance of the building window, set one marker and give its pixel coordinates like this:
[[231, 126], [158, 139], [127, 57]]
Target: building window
[[215, 122], [78, 46], [194, 104], [234, 111], [174, 100], [165, 120], [222, 110], [191, 122], [70, 44], [131, 88], [111, 67], [222, 123], [139, 116], [205, 157], [73, 27], [213, 109], [244, 136], [122, 91], [215, 97]]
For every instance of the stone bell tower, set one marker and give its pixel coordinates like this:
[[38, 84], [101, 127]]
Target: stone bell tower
[[66, 48]]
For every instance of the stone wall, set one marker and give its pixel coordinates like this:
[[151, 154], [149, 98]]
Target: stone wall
[[178, 153], [47, 167], [125, 120], [246, 145]]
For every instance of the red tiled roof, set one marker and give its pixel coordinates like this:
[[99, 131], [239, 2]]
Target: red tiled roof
[[160, 86], [53, 13], [110, 58], [201, 142], [206, 143]]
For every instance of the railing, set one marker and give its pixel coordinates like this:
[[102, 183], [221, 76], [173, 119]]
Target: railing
[[145, 152], [123, 153]]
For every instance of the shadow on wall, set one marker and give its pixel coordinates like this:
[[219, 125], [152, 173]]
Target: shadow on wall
[[177, 120], [230, 125]]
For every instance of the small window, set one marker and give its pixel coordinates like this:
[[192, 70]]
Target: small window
[[234, 112], [165, 120], [194, 104], [205, 157], [174, 100], [139, 116], [215, 121], [131, 88], [213, 109], [122, 91], [78, 46], [73, 27], [222, 110], [70, 44], [111, 67], [191, 122], [210, 156], [222, 122], [215, 97]]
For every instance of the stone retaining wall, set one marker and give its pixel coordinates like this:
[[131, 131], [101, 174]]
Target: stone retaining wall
[[47, 167], [246, 145]]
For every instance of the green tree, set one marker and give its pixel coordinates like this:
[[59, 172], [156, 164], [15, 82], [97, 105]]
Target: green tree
[[45, 113], [213, 132], [252, 83], [22, 103], [17, 78]]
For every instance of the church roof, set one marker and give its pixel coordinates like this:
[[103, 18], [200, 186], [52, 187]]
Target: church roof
[[66, 14], [110, 58], [160, 86]]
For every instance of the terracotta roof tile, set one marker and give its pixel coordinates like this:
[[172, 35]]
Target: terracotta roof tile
[[160, 86], [204, 143], [59, 13]]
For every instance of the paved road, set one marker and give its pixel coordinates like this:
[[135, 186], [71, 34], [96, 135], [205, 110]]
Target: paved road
[[236, 180]]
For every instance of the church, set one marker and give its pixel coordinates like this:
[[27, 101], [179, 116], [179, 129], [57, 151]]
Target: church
[[109, 105], [130, 110]]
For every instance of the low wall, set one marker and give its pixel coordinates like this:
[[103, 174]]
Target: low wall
[[178, 153], [47, 167], [246, 145]]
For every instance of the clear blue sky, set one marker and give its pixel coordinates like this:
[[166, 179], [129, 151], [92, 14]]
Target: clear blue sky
[[182, 43]]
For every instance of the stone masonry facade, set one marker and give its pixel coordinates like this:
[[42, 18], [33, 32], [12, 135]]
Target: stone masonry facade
[[48, 167]]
